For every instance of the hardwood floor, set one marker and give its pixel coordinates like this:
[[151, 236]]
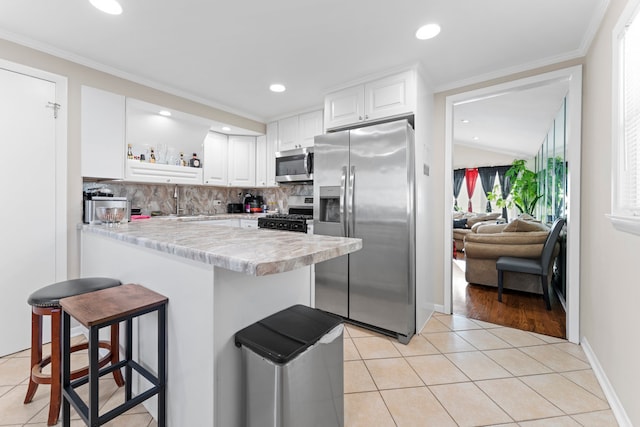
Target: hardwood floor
[[519, 310]]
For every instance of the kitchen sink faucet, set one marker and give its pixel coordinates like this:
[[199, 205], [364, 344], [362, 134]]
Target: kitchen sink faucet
[[176, 196]]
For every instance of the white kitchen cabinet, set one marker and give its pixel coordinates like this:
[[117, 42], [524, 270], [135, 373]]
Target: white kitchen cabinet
[[248, 223], [102, 134], [271, 143], [137, 171], [390, 96], [242, 161], [299, 131], [215, 161], [309, 126], [344, 107], [261, 161], [266, 160], [288, 133]]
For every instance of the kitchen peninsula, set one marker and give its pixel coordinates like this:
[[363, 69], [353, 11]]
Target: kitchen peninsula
[[218, 280]]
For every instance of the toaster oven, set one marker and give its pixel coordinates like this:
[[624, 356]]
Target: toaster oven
[[91, 207]]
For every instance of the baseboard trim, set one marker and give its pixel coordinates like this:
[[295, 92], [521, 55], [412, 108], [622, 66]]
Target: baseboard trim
[[79, 330], [616, 407], [439, 308]]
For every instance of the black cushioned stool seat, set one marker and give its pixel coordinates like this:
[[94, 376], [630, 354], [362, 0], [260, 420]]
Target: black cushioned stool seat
[[46, 302]]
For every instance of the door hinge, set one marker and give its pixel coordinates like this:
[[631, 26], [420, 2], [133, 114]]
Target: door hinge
[[55, 107]]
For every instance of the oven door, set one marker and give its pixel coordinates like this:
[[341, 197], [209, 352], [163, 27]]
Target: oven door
[[295, 165]]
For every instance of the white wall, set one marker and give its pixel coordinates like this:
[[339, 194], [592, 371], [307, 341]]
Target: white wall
[[610, 287]]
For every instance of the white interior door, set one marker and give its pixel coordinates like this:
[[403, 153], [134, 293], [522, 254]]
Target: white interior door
[[28, 177]]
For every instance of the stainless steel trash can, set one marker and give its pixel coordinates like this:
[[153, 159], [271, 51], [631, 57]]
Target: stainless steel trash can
[[293, 369]]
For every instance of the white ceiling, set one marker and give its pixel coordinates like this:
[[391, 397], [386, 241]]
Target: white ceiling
[[226, 53], [514, 123]]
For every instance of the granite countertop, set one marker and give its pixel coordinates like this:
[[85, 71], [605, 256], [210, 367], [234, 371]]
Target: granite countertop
[[256, 252]]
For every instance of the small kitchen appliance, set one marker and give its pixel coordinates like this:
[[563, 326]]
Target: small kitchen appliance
[[235, 208], [253, 204], [100, 205], [294, 166]]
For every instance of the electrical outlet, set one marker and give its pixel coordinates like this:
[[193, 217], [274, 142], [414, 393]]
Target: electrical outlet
[[217, 202]]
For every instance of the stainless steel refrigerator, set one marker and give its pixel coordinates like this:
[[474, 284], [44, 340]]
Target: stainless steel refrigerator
[[364, 187]]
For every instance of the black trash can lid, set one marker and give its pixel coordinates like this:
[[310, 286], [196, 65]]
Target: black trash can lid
[[283, 335]]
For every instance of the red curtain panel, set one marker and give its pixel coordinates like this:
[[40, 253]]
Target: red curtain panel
[[471, 175]]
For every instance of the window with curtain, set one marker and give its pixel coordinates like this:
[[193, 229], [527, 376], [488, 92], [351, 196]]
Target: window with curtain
[[625, 210]]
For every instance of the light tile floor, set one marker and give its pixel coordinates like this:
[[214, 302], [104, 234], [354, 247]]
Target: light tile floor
[[463, 372], [456, 372]]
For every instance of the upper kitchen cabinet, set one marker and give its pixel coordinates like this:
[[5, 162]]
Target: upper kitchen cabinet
[[102, 134], [216, 163], [242, 161], [161, 135], [265, 161], [271, 144], [299, 131], [390, 96]]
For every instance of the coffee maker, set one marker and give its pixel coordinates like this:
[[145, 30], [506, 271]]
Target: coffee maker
[[252, 204]]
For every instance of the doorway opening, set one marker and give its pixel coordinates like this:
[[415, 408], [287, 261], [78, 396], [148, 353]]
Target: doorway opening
[[573, 78]]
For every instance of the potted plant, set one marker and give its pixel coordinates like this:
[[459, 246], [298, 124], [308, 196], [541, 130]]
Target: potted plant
[[524, 189]]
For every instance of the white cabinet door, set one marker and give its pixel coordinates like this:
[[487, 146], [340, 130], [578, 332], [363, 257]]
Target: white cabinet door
[[242, 161], [102, 134], [215, 161], [288, 134], [271, 144], [261, 161], [310, 125], [390, 96], [344, 107]]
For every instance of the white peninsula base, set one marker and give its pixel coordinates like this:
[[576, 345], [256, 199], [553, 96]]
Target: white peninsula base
[[207, 306]]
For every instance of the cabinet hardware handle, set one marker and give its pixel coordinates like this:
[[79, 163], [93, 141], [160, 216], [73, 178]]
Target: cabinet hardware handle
[[359, 117], [366, 117]]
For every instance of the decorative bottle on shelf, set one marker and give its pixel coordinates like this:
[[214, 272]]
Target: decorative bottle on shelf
[[129, 152], [183, 162], [194, 162], [152, 156]]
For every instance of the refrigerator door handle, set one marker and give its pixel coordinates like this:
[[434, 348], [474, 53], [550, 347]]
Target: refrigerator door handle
[[351, 209], [343, 200]]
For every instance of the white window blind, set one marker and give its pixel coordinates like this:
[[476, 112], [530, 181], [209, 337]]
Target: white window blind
[[629, 178]]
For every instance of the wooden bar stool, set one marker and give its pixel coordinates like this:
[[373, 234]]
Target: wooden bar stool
[[46, 302], [96, 310]]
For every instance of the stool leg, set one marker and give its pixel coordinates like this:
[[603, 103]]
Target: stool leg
[[115, 353], [66, 367], [162, 365], [93, 375], [129, 357], [36, 353], [56, 386]]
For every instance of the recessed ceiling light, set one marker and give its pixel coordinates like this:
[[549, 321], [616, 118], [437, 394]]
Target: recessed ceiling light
[[226, 128], [476, 138], [428, 31], [165, 113], [277, 87], [112, 7], [465, 121]]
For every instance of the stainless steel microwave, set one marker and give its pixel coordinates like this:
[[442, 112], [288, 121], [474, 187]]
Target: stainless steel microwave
[[294, 165]]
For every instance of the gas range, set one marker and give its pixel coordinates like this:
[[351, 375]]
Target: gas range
[[285, 222]]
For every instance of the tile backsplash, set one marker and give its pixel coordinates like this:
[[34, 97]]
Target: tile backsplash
[[195, 199]]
